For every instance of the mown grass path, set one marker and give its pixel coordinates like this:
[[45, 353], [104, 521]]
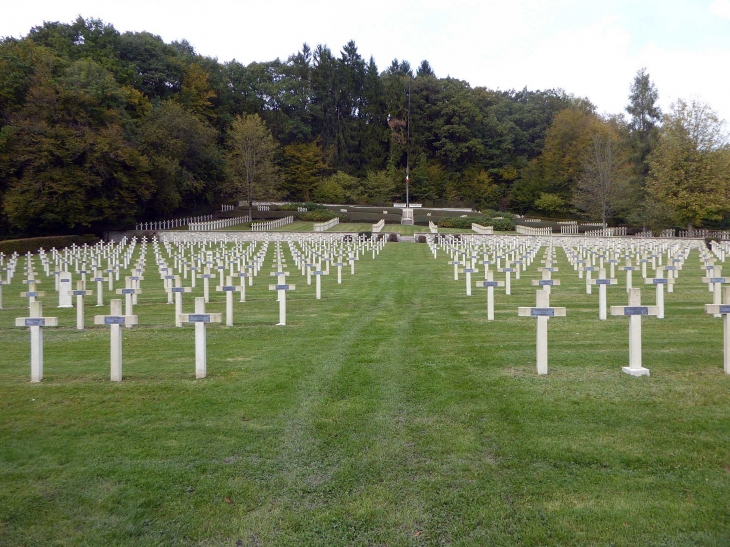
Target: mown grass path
[[389, 413]]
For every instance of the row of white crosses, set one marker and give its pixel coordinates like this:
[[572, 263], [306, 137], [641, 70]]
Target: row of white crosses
[[595, 257], [119, 256], [36, 322], [542, 310], [584, 261]]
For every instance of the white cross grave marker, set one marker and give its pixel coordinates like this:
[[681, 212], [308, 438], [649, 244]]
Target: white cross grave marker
[[659, 283], [79, 293], [635, 310], [723, 310], [281, 289], [489, 284], [602, 281], [543, 312], [200, 318], [36, 322], [229, 288], [115, 322]]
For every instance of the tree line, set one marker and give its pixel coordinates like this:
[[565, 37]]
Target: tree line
[[100, 128]]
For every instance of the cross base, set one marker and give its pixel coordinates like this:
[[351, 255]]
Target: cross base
[[641, 371], [281, 324]]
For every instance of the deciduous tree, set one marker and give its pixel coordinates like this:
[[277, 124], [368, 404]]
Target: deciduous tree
[[250, 157], [689, 170], [603, 187]]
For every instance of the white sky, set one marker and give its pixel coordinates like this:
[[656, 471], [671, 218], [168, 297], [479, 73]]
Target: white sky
[[590, 48]]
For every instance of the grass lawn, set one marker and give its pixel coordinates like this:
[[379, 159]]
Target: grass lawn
[[391, 412]]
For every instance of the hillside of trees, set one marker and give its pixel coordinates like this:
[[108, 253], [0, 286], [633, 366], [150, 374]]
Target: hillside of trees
[[99, 129]]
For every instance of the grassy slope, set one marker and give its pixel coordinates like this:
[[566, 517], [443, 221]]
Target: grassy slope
[[390, 413]]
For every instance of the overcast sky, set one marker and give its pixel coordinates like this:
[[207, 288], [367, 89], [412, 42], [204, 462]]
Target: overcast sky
[[590, 48]]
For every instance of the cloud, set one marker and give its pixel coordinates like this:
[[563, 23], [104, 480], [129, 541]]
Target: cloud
[[721, 8]]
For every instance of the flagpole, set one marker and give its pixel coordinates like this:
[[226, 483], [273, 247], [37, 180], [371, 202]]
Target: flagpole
[[408, 143]]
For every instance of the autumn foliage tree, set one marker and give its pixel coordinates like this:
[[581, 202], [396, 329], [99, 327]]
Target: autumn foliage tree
[[689, 177]]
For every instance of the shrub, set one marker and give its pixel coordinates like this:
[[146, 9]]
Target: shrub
[[322, 215], [464, 223], [32, 244]]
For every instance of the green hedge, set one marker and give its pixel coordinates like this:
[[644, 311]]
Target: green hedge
[[464, 223], [322, 215], [32, 244]]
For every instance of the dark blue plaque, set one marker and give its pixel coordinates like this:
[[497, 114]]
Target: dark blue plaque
[[199, 318]]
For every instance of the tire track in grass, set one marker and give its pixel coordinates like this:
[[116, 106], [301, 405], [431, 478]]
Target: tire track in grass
[[305, 472]]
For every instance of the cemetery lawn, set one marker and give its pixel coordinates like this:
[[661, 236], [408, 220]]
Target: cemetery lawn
[[391, 412]]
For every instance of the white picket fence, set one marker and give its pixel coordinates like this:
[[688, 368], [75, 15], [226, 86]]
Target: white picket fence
[[378, 226], [702, 233], [482, 230], [170, 224], [607, 232], [217, 224], [225, 208], [271, 224], [528, 231], [324, 226], [568, 228]]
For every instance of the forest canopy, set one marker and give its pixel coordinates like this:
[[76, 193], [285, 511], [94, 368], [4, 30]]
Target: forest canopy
[[99, 129]]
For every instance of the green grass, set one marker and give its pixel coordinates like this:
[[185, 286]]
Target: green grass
[[388, 413]]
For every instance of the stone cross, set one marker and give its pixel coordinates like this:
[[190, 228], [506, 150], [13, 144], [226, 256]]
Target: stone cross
[[589, 271], [128, 293], [507, 278], [201, 319], [635, 311], [115, 322], [178, 291], [281, 289], [659, 283], [99, 287], [629, 269], [242, 285], [543, 312], [168, 281], [229, 288], [32, 293], [602, 281], [318, 276], [489, 284], [468, 271], [724, 311], [456, 264], [36, 322], [547, 281], [339, 265], [79, 293], [206, 276], [716, 284]]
